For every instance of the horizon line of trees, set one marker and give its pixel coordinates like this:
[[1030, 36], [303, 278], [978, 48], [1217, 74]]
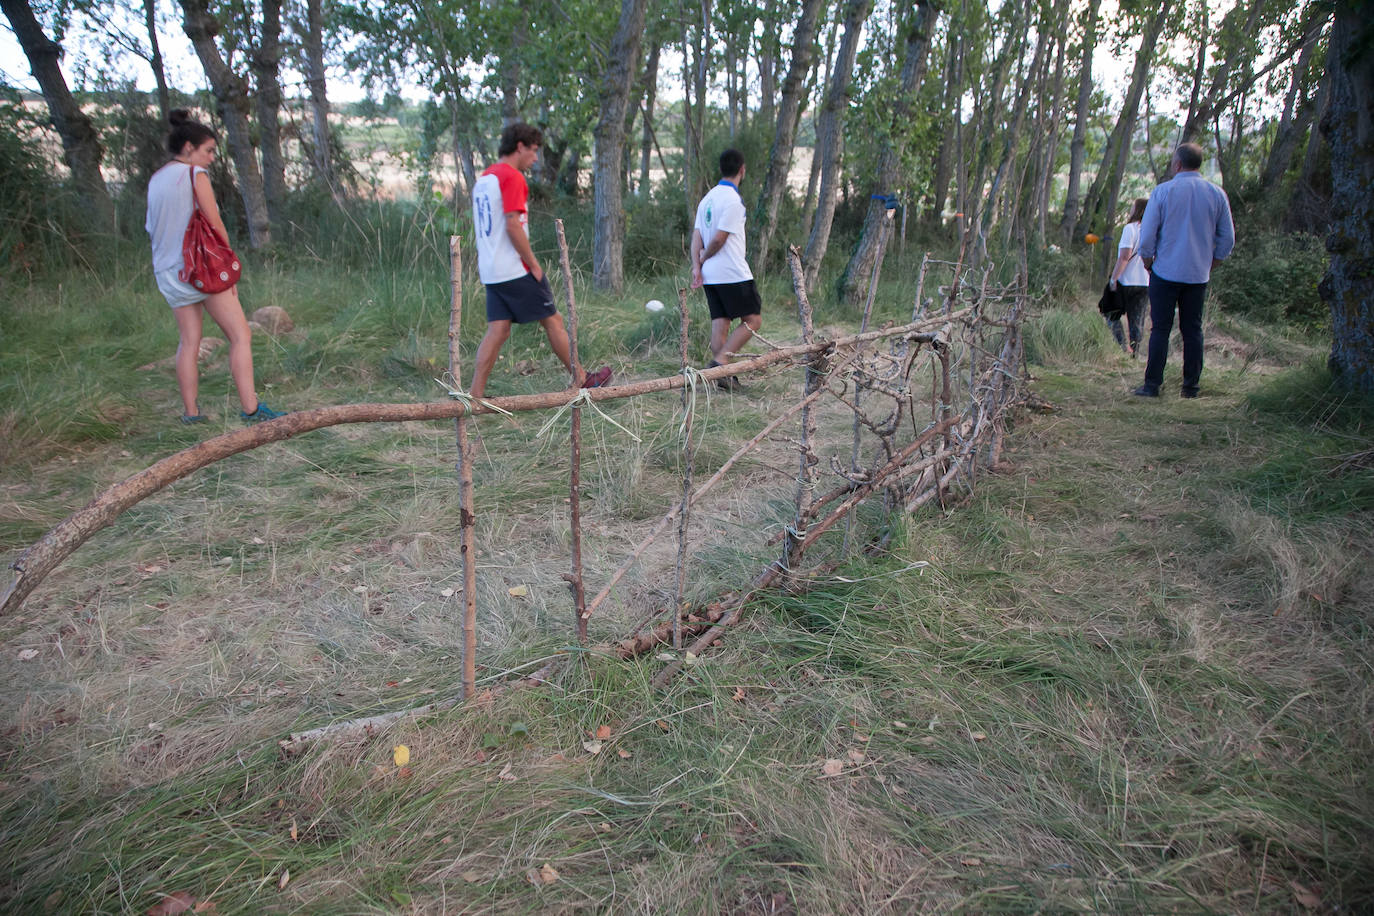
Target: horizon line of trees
[[996, 117]]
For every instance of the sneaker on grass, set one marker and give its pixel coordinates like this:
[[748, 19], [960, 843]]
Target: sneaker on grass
[[192, 419], [261, 413]]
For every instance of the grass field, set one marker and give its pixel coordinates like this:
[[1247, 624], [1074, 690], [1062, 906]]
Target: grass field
[[1131, 674]]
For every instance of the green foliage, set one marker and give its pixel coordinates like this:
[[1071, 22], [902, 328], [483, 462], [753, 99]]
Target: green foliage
[[1061, 337], [33, 205], [1272, 277]]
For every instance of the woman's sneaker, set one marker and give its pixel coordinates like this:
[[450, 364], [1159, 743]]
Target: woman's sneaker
[[192, 419], [263, 412]]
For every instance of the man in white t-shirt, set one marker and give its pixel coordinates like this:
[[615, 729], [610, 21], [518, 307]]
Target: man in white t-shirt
[[718, 264], [517, 290]]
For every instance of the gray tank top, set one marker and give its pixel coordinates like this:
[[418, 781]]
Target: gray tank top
[[169, 212]]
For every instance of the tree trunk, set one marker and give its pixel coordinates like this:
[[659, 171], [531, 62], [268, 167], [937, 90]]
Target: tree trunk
[[1051, 149], [1078, 146], [1296, 119], [81, 148], [1199, 116], [323, 159], [993, 113], [608, 244], [231, 92], [164, 97], [1099, 206], [830, 137], [1348, 287], [266, 62], [784, 135], [647, 141], [510, 75], [768, 59], [1200, 68], [857, 275], [944, 160]]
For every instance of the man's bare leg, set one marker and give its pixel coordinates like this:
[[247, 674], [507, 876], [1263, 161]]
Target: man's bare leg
[[487, 351], [560, 344], [720, 329], [738, 338]]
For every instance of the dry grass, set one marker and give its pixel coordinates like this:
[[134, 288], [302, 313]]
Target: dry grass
[[1135, 677]]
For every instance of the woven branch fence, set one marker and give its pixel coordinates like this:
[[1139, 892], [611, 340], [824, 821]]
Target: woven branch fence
[[928, 404]]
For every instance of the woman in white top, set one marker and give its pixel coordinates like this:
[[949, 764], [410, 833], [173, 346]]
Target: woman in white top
[[1131, 281], [170, 207]]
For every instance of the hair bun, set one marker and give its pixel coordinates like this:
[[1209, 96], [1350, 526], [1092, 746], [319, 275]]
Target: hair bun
[[178, 116]]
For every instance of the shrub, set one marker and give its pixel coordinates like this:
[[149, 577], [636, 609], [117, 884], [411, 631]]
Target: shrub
[[1272, 277]]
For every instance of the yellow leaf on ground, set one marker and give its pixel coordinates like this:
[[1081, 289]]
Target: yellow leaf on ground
[[856, 755], [400, 754], [519, 591], [547, 873], [832, 767], [623, 754], [739, 695], [603, 732], [592, 747], [295, 834], [978, 736], [285, 877]]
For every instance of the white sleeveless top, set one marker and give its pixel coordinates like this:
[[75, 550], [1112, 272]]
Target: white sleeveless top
[[169, 213]]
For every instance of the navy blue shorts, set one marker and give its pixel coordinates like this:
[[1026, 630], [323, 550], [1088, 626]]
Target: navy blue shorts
[[521, 301], [733, 300]]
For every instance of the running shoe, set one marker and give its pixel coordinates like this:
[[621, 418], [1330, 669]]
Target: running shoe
[[263, 412]]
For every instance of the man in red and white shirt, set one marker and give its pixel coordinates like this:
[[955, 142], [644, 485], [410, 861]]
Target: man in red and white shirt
[[517, 290]]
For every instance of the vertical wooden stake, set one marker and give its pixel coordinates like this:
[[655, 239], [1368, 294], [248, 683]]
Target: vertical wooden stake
[[918, 306], [575, 438], [806, 474], [466, 516], [679, 603]]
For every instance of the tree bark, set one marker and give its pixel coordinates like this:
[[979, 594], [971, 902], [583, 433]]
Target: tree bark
[[1099, 206], [1297, 114], [1078, 146], [608, 244], [164, 97], [266, 64], [1348, 287], [784, 134], [647, 140], [81, 147], [323, 159], [231, 92], [767, 44], [830, 136], [1051, 148], [858, 274], [944, 160]]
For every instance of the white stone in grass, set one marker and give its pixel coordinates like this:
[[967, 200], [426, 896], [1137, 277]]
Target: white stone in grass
[[654, 305]]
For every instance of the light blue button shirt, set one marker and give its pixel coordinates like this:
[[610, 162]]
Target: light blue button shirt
[[1186, 225]]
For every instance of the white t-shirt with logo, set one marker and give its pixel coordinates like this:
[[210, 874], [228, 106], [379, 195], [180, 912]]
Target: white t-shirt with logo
[[1135, 273], [499, 191], [722, 210]]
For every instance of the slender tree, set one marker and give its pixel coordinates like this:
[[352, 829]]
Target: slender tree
[[313, 45], [784, 134], [608, 269], [1079, 144], [830, 136], [81, 148], [265, 62], [232, 95], [920, 21]]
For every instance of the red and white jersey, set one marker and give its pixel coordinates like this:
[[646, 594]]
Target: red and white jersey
[[499, 191]]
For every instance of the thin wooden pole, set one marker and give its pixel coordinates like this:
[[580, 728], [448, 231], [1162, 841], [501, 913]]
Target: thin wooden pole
[[466, 512], [684, 512], [806, 473], [575, 440]]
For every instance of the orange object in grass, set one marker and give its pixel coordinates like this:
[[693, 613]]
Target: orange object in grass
[[1092, 239]]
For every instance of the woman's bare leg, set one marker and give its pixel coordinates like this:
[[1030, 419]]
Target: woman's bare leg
[[225, 309], [189, 320]]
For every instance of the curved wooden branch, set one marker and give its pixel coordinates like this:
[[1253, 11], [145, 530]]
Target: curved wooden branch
[[34, 565]]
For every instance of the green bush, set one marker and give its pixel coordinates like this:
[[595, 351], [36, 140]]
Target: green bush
[[1272, 277]]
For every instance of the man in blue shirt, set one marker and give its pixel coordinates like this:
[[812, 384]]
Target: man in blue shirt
[[1186, 231]]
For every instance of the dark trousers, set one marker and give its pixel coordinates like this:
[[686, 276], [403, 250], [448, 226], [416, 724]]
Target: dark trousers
[[1135, 301], [1165, 296]]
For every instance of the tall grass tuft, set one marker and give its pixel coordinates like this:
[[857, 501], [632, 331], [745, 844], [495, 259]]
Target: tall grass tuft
[[1063, 337]]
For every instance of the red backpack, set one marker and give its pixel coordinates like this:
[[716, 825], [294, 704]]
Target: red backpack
[[209, 264]]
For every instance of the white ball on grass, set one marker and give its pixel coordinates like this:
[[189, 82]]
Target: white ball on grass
[[654, 305]]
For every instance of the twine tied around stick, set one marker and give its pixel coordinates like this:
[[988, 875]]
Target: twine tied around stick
[[583, 398], [467, 400], [693, 378]]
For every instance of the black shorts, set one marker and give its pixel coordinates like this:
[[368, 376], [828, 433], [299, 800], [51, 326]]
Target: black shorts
[[733, 300], [521, 300]]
